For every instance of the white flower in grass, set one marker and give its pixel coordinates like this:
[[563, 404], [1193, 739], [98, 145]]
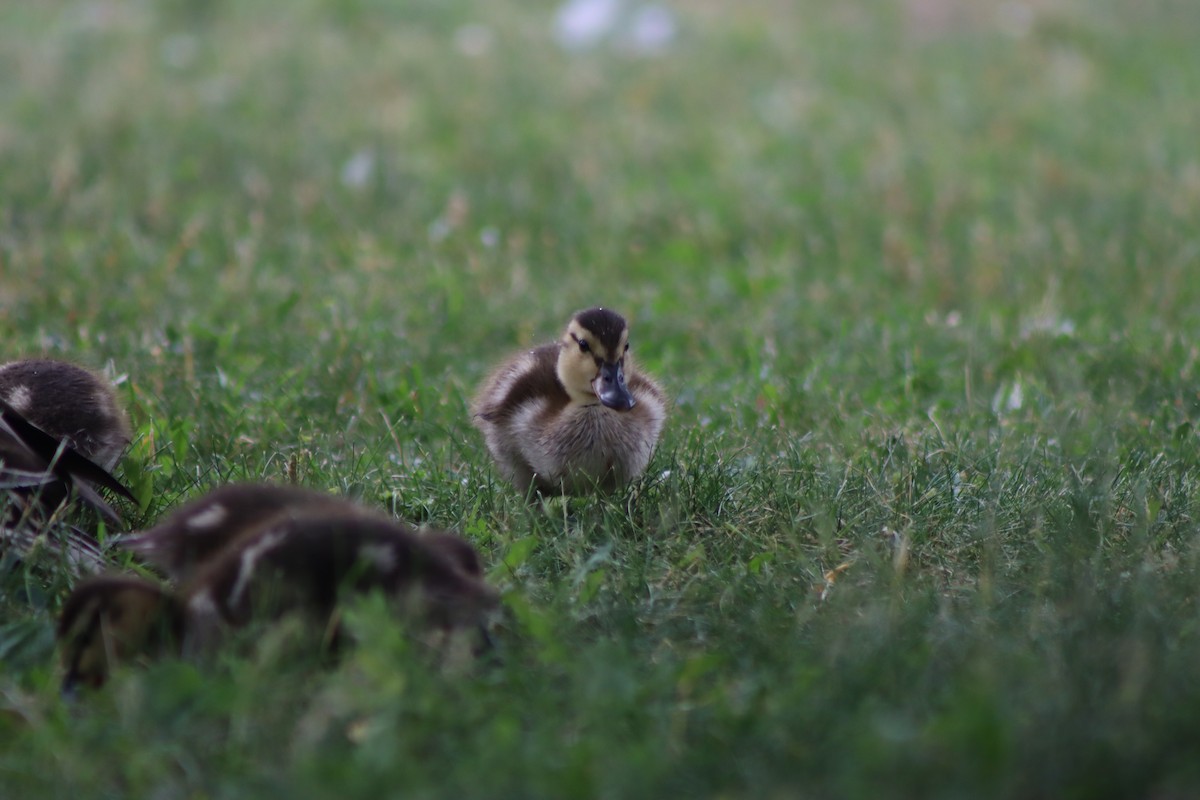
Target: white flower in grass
[[652, 29], [358, 169], [580, 24]]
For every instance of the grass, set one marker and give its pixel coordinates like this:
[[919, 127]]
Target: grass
[[920, 278]]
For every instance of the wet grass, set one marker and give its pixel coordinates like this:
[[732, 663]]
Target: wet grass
[[919, 278]]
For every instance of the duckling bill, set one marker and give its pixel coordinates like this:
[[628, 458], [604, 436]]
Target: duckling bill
[[575, 415]]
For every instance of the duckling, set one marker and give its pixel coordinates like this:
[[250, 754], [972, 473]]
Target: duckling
[[575, 415], [308, 558], [304, 560], [113, 619], [196, 531], [68, 402], [60, 429], [457, 549]]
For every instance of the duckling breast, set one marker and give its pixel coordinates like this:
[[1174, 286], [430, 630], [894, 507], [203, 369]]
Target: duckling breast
[[595, 446]]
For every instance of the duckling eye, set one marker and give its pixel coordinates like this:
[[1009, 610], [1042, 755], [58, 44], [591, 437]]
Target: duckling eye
[[583, 345], [627, 347]]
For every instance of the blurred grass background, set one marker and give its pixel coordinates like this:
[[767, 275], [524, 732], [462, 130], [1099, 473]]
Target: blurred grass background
[[919, 276]]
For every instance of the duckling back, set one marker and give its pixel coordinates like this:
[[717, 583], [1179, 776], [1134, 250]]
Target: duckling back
[[195, 532], [60, 429], [69, 403], [311, 561]]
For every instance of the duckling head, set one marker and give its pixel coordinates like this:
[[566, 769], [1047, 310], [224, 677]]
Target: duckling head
[[457, 549], [591, 359], [109, 620]]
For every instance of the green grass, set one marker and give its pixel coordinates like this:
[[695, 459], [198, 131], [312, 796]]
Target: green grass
[[921, 279]]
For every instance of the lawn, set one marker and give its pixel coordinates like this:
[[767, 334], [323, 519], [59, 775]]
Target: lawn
[[922, 279]]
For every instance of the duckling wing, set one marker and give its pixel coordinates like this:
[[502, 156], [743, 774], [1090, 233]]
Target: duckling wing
[[651, 404], [641, 384], [529, 378], [512, 405]]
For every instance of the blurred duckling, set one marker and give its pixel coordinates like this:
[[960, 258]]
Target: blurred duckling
[[70, 403], [60, 429], [575, 415], [305, 560], [196, 531], [112, 619], [308, 559]]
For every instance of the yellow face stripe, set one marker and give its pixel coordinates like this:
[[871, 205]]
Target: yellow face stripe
[[577, 333]]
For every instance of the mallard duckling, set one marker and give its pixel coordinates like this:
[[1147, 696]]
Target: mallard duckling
[[113, 619], [307, 558], [70, 403], [457, 549], [300, 560], [60, 428], [193, 533], [574, 415]]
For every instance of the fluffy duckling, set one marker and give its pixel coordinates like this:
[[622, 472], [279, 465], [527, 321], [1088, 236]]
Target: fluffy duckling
[[574, 415], [196, 531], [114, 619], [457, 549], [60, 428], [307, 559], [303, 560], [69, 403]]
